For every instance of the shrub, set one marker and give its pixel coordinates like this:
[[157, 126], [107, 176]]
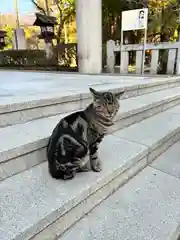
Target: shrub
[[24, 58]]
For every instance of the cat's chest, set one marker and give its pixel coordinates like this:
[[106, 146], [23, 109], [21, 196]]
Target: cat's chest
[[93, 134]]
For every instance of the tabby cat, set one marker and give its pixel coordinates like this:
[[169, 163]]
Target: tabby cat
[[78, 135]]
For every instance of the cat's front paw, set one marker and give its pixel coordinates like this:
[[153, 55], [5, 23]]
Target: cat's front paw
[[83, 164], [86, 167], [76, 162], [96, 165], [83, 169]]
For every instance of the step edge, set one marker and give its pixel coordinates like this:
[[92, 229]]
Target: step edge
[[5, 108]]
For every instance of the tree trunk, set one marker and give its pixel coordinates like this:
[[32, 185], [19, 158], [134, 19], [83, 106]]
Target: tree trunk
[[59, 32], [163, 53]]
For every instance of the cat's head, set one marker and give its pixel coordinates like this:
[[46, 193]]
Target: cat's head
[[106, 104]]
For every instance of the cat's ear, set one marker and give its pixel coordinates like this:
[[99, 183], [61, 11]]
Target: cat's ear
[[119, 94], [95, 94]]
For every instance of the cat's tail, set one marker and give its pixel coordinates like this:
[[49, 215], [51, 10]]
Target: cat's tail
[[51, 146], [54, 172], [63, 171]]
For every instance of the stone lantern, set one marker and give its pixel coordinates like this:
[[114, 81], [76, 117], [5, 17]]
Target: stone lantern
[[46, 23]]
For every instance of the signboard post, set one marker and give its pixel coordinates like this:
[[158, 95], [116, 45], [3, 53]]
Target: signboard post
[[135, 20]]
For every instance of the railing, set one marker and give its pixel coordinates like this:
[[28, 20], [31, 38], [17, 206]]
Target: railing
[[172, 57]]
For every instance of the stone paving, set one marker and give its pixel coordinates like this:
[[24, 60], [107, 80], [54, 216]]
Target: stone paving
[[23, 84]]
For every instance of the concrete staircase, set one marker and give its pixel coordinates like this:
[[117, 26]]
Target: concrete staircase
[[35, 206]]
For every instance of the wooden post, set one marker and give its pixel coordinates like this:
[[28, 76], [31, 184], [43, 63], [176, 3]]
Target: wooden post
[[154, 61], [17, 13], [110, 58], [171, 61], [139, 56], [124, 62]]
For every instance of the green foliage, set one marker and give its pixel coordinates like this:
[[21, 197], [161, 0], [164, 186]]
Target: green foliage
[[65, 16], [66, 10], [9, 37], [32, 39], [163, 19], [67, 54]]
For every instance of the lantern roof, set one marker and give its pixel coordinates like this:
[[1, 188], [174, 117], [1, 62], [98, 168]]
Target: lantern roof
[[44, 20]]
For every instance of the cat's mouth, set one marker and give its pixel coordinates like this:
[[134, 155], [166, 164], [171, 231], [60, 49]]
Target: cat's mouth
[[107, 118], [109, 115]]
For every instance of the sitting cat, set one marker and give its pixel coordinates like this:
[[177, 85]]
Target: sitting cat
[[78, 135]]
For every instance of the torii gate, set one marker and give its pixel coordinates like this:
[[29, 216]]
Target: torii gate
[[89, 35]]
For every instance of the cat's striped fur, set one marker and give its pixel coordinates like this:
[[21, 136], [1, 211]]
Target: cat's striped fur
[[79, 134]]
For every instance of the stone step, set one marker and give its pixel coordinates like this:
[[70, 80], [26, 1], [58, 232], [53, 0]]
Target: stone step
[[146, 208], [26, 146], [35, 206], [70, 94], [168, 162]]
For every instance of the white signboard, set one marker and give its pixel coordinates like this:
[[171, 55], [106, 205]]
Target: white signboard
[[134, 19]]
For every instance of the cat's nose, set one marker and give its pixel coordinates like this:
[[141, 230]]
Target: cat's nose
[[109, 112], [110, 115]]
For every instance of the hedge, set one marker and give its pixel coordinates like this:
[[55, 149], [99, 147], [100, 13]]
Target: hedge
[[20, 58]]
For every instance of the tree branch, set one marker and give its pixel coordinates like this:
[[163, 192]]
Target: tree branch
[[137, 2], [59, 31], [38, 7], [58, 4]]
